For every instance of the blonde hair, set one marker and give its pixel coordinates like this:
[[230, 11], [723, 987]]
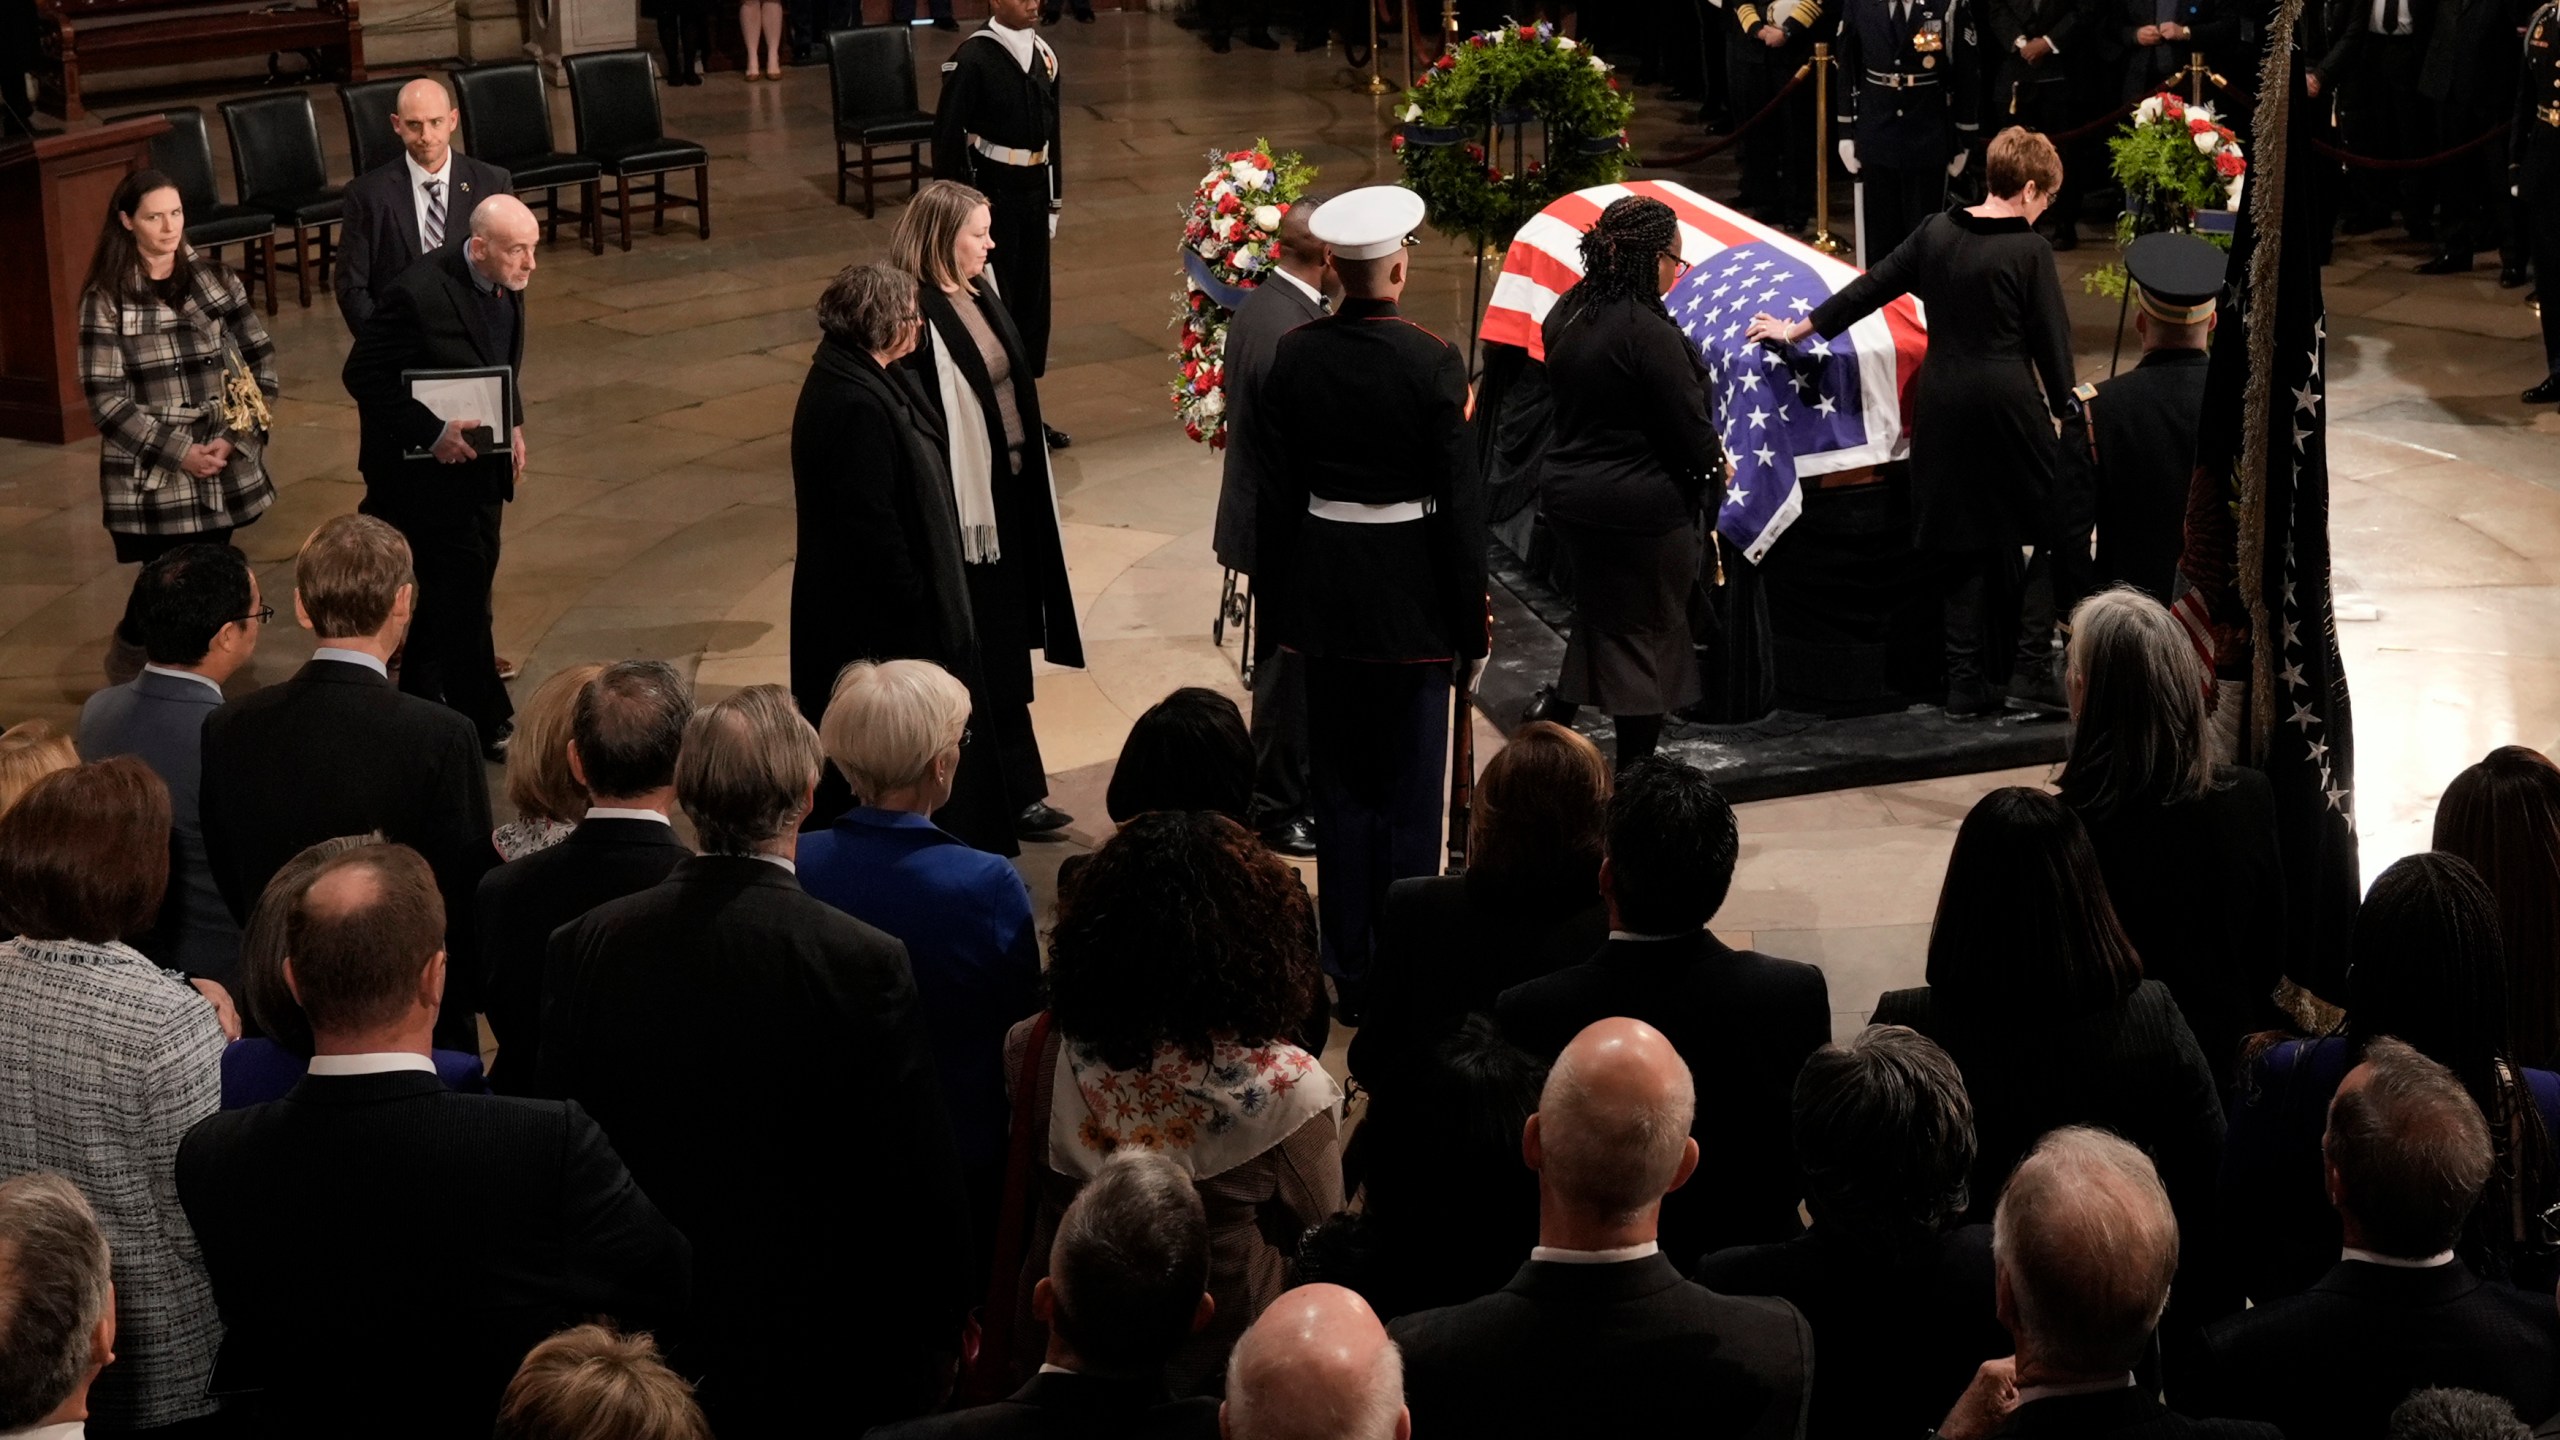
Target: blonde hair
[[539, 782], [888, 720], [2018, 155], [590, 1383], [929, 232], [29, 751]]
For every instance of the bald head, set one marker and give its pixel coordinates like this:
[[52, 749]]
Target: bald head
[[364, 943], [424, 119], [1316, 1366], [1301, 253], [504, 235], [1611, 1136]]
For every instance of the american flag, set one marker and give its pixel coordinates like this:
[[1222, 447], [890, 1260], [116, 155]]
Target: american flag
[[1840, 408]]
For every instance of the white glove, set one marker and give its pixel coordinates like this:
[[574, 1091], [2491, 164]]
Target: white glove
[[1053, 224], [1849, 155], [1955, 167]]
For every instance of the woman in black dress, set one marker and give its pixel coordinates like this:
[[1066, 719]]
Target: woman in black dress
[[977, 378], [1633, 463], [1998, 371]]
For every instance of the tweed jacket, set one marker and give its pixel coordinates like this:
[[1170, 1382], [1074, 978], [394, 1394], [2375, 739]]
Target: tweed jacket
[[106, 1061], [153, 376]]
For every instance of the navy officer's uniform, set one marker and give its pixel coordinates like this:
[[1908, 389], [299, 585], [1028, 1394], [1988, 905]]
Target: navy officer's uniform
[[1910, 98], [1371, 555], [996, 129]]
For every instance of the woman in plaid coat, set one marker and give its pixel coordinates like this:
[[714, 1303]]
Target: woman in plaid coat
[[178, 370]]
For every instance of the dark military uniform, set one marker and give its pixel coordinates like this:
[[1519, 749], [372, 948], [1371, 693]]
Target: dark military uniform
[[2048, 95], [1371, 565], [2536, 160], [1778, 175], [2126, 459], [1907, 86], [996, 128]]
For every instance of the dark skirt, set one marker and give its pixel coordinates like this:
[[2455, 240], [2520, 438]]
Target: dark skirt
[[1631, 652]]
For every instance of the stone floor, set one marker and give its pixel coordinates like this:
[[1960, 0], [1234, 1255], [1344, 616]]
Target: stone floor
[[655, 516]]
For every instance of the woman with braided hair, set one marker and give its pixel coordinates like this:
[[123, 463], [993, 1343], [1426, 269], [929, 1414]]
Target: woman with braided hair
[[1633, 475]]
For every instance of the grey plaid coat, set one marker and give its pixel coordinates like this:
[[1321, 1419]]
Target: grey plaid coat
[[153, 376]]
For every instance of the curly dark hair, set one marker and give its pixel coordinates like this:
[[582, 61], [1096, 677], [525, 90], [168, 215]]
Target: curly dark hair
[[1618, 250], [1183, 929]]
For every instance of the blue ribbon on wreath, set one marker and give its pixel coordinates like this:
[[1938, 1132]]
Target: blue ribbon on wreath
[[1220, 293]]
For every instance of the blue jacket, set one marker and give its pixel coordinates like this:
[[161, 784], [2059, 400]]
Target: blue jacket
[[159, 719], [966, 919]]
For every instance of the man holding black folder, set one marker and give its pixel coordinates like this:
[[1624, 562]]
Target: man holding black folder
[[444, 482]]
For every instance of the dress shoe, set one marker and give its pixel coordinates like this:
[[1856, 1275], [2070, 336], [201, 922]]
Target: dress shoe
[[1545, 704], [508, 669], [2514, 277], [1261, 40], [1973, 702], [496, 746], [1355, 53], [2038, 690], [1297, 838], [2446, 263], [1040, 817], [2546, 393], [1058, 439]]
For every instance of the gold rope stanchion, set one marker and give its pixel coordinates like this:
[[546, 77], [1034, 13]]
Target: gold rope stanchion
[[1823, 239], [1448, 27], [1376, 84], [2197, 74], [1412, 38]]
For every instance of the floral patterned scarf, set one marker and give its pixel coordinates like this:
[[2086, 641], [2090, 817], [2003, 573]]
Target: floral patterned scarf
[[1208, 1117]]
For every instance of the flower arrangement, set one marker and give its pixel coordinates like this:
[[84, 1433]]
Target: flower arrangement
[[1228, 234], [1503, 80], [2177, 163]]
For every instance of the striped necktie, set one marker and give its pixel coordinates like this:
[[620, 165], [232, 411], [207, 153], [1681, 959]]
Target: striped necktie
[[435, 214]]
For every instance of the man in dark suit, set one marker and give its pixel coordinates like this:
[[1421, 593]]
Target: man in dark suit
[[1743, 1020], [374, 1235], [2035, 52], [760, 1059], [399, 212], [337, 751], [1599, 1333], [200, 616], [2084, 1243], [2406, 1155], [2382, 114], [460, 308], [624, 735], [1126, 1286], [1316, 1364], [1290, 296]]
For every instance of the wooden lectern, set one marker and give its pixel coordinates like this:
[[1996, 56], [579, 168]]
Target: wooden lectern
[[54, 194]]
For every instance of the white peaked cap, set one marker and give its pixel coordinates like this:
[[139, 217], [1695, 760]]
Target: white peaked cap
[[1369, 223]]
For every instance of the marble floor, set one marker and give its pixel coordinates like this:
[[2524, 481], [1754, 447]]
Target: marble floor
[[655, 517]]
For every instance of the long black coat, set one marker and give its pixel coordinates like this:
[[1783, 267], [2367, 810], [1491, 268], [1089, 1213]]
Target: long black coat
[[1997, 372], [1275, 308], [1635, 449]]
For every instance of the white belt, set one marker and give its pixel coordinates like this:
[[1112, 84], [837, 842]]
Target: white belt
[[1007, 155], [1352, 512]]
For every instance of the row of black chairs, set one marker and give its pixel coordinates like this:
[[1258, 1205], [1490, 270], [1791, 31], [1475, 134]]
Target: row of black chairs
[[287, 200]]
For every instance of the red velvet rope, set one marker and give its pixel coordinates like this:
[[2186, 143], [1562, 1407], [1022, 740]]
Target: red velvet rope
[[1724, 142], [2354, 161]]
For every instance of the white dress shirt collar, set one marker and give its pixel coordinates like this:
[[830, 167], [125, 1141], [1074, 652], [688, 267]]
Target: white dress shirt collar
[[204, 680], [1557, 1255], [376, 1062], [1314, 295], [1649, 939], [618, 812], [2394, 1262], [2028, 1394], [353, 657], [785, 861]]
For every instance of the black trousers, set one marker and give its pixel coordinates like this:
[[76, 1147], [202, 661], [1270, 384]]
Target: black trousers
[[2542, 217], [2472, 189], [1898, 198], [1777, 158], [450, 657], [684, 33], [2381, 114], [1280, 784], [1018, 221], [1986, 593], [1378, 743]]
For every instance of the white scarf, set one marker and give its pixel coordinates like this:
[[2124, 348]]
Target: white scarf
[[973, 464], [1206, 1116]]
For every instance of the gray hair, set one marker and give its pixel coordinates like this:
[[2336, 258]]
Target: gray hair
[[2086, 1236], [746, 770], [55, 1284], [1130, 1263], [2442, 1413], [629, 726], [866, 306], [1884, 1132], [889, 720], [2139, 734], [2411, 1150], [1611, 1160]]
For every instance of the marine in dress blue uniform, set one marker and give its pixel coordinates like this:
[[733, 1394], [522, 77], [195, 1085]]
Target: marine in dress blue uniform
[[1371, 544], [1910, 97]]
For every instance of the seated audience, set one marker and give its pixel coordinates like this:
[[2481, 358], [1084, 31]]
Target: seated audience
[[1189, 751], [589, 1383], [266, 1066], [105, 1061], [198, 610], [1446, 1208], [2188, 847], [897, 732], [2407, 1157], [544, 787], [2438, 1413], [1897, 1290], [29, 751], [1599, 1334], [1180, 964], [57, 1307], [625, 727], [2503, 816], [1743, 1020], [1126, 1286], [1528, 905], [339, 750], [1316, 1366], [2085, 1243], [2427, 971], [2047, 1011], [760, 1060], [375, 1234]]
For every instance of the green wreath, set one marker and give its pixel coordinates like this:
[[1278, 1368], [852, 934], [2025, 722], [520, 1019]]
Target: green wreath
[[1473, 96]]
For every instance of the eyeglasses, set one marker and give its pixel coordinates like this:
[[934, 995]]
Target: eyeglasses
[[1679, 267], [259, 616], [965, 735]]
